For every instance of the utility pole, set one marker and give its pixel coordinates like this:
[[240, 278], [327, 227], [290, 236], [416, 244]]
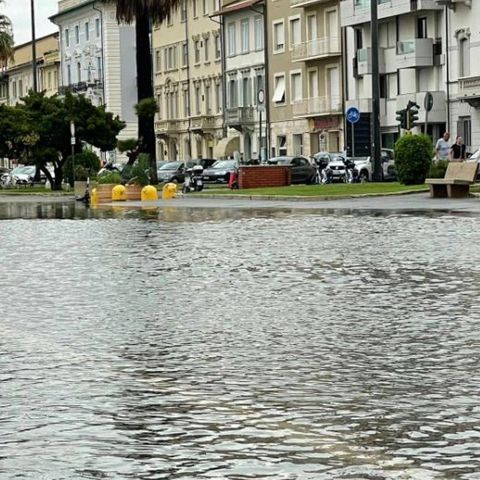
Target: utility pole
[[34, 47], [376, 138]]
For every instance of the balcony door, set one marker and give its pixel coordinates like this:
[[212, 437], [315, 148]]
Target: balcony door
[[311, 27], [313, 83], [332, 30], [333, 86]]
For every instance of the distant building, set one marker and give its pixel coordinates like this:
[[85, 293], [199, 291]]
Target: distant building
[[188, 82], [16, 80], [98, 58]]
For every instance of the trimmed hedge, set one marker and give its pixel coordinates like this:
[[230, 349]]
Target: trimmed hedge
[[413, 158]]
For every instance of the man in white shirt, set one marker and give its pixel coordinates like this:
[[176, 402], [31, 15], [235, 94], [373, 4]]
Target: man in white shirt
[[442, 148]]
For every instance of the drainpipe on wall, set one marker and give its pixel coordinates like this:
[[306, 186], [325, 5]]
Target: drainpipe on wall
[[447, 64], [267, 81], [189, 91], [344, 83]]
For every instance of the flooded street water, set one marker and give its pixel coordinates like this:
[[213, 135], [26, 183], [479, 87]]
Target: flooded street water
[[238, 344]]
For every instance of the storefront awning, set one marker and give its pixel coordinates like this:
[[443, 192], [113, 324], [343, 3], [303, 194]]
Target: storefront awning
[[226, 146]]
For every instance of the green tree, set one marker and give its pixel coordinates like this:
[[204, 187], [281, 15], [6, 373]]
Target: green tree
[[37, 131], [6, 40], [144, 13], [413, 157]]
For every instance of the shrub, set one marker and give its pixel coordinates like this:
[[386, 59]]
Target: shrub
[[87, 164], [438, 169], [413, 157], [139, 173], [110, 177]]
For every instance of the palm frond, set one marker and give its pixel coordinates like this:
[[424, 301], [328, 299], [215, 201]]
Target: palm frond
[[157, 10]]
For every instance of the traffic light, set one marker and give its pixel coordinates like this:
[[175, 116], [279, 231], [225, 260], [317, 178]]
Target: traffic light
[[412, 118], [402, 118]]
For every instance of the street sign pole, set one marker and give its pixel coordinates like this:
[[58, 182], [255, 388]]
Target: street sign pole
[[353, 139], [353, 116]]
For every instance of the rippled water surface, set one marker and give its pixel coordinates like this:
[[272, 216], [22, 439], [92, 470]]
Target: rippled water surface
[[216, 344]]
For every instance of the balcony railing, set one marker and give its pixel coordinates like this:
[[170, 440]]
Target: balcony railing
[[318, 48], [167, 126], [203, 123], [317, 106], [240, 115], [80, 87], [364, 61], [416, 52]]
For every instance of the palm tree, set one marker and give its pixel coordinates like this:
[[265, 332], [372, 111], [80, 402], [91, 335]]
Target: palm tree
[[144, 13], [6, 40]]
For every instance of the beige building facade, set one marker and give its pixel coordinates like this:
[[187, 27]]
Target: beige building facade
[[305, 75], [17, 78], [187, 66]]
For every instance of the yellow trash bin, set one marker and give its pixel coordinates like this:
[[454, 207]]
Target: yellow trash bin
[[94, 197], [149, 194], [169, 191], [119, 193]]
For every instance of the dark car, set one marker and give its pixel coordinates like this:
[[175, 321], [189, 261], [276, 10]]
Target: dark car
[[175, 171], [220, 171], [302, 170]]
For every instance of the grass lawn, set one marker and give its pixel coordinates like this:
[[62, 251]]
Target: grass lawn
[[34, 191], [333, 189]]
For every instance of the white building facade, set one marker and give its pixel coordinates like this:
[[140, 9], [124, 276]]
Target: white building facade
[[412, 60], [97, 58], [244, 78]]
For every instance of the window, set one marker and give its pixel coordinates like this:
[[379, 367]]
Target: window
[[279, 90], [14, 89], [246, 93], [231, 40], [183, 11], [157, 60], [89, 74], [185, 102], [194, 8], [79, 72], [295, 33], [216, 5], [77, 34], [49, 82], [197, 99], [278, 37], [87, 31], [55, 79], [205, 7], [184, 55], [97, 27], [232, 93], [245, 35], [464, 57], [99, 68], [69, 74], [218, 96], [206, 44], [258, 33], [66, 33], [260, 80], [358, 38], [383, 86], [422, 27], [20, 88], [296, 87], [218, 48], [464, 130], [282, 145], [297, 144], [196, 46], [208, 100]]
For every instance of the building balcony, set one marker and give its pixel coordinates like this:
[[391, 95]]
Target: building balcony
[[356, 12], [317, 106], [469, 90], [237, 117], [166, 127], [306, 3], [203, 122], [416, 52], [80, 87], [364, 61], [315, 49]]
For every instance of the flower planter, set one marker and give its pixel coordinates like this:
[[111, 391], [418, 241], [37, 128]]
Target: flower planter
[[81, 186], [104, 192], [133, 192]]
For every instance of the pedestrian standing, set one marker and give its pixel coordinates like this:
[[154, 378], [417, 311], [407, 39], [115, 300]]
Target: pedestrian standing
[[442, 148], [458, 151]]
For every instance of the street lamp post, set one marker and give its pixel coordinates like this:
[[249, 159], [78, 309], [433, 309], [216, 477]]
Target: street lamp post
[[376, 139], [34, 46], [72, 143]]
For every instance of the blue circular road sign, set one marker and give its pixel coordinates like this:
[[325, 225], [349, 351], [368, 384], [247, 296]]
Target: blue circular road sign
[[353, 115]]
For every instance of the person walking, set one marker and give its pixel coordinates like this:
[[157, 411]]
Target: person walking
[[458, 151], [442, 147]]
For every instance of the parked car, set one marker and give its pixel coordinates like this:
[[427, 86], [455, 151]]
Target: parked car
[[302, 169], [337, 166], [220, 171], [365, 167], [322, 159], [172, 172]]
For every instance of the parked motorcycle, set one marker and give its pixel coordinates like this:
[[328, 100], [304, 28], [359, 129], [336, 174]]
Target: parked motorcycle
[[351, 172], [193, 179], [326, 175]]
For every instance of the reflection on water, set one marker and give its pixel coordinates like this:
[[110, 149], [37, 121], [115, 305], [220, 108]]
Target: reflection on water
[[233, 344]]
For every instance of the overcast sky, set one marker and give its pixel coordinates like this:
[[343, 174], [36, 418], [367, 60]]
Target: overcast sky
[[19, 13]]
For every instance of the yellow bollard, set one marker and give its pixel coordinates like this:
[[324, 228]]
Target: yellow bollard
[[94, 197], [119, 193], [149, 194], [169, 191]]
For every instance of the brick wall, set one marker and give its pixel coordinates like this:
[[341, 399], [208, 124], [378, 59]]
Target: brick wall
[[259, 176]]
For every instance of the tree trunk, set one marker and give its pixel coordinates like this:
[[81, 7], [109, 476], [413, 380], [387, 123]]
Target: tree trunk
[[146, 130]]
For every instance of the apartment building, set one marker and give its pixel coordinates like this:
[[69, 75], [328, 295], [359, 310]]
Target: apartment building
[[98, 58], [412, 59], [305, 74], [187, 63], [17, 78], [244, 80], [463, 85]]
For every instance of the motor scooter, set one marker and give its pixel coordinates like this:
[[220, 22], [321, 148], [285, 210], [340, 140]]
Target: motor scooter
[[351, 172], [326, 175], [193, 179]]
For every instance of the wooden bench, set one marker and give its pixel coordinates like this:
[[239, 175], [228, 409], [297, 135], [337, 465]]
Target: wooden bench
[[456, 183]]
